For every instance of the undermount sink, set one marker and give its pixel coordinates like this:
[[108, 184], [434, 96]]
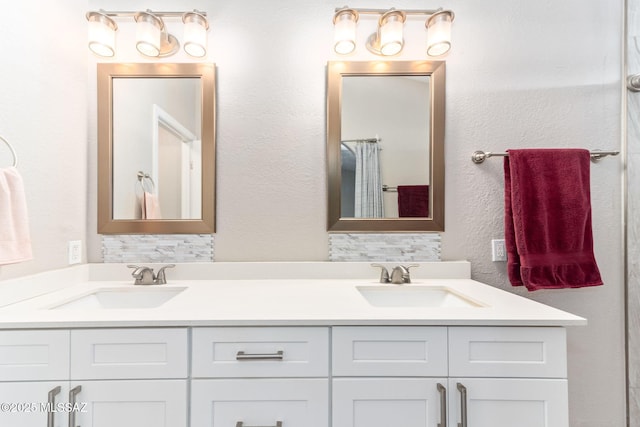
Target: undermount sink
[[415, 296], [120, 298]]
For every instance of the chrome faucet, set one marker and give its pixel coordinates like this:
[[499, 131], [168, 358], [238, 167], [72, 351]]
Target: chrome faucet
[[399, 275], [384, 273], [145, 275]]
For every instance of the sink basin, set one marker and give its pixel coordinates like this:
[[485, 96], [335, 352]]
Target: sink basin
[[415, 296], [120, 298]]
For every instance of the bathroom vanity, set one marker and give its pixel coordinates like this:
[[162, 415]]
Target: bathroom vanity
[[332, 349]]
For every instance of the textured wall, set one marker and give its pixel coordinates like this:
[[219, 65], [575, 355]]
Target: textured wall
[[43, 113]]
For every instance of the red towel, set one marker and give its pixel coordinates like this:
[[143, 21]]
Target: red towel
[[413, 200], [548, 219]]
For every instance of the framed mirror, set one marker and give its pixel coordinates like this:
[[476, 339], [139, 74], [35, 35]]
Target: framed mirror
[[156, 148], [385, 146]]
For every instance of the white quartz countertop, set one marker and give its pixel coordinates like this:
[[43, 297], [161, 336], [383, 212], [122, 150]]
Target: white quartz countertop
[[271, 301]]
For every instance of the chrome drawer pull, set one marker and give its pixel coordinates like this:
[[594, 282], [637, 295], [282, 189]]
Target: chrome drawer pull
[[72, 400], [241, 424], [241, 355], [463, 405], [51, 400], [443, 405]]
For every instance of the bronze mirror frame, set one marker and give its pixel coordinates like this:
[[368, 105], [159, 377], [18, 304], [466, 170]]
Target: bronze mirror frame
[[106, 72], [336, 70]]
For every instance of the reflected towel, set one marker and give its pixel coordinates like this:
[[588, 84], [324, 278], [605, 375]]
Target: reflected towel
[[151, 207], [15, 240], [548, 219], [413, 200]]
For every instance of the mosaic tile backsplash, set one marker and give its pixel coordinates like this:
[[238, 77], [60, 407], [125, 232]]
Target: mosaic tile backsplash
[[157, 248], [384, 247]]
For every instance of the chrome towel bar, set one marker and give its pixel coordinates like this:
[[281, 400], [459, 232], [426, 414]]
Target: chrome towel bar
[[13, 152], [480, 156]]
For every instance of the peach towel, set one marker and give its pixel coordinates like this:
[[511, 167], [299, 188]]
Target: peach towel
[[15, 240], [151, 206]]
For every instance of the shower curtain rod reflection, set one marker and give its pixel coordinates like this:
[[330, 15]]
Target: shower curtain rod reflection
[[372, 140]]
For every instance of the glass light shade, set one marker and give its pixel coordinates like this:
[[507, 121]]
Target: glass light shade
[[391, 29], [195, 34], [439, 33], [148, 34], [344, 35], [102, 34]]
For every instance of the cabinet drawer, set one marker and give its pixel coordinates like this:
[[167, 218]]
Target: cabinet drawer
[[260, 352], [34, 355], [507, 352], [295, 402], [413, 351], [129, 353]]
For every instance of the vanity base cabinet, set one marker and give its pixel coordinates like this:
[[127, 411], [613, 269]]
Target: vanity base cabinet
[[298, 402], [383, 402], [502, 402]]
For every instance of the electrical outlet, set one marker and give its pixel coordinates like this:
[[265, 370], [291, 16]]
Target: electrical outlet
[[75, 251], [498, 250]]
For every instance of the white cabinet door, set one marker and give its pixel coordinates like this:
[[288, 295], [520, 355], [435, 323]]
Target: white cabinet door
[[389, 402], [260, 402], [33, 404], [136, 403], [501, 402]]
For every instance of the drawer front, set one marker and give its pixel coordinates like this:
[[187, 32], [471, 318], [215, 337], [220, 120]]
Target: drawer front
[[412, 351], [293, 402], [507, 352], [34, 355], [260, 352], [129, 353]]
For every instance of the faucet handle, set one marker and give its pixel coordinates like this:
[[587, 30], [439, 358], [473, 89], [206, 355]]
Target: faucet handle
[[384, 273], [407, 276], [161, 278]]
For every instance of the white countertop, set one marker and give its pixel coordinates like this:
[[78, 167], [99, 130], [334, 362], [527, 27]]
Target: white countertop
[[284, 300]]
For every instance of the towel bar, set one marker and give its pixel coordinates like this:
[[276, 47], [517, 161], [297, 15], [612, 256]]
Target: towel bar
[[480, 156], [13, 152]]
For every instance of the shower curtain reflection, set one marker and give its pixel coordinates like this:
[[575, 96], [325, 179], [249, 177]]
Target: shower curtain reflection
[[368, 183]]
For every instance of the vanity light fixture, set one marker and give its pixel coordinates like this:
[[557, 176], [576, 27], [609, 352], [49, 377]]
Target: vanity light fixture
[[388, 40], [439, 33], [152, 38], [344, 37], [102, 34], [195, 33]]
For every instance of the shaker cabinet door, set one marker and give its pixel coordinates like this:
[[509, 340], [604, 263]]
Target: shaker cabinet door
[[384, 402], [501, 402], [136, 403], [33, 404]]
